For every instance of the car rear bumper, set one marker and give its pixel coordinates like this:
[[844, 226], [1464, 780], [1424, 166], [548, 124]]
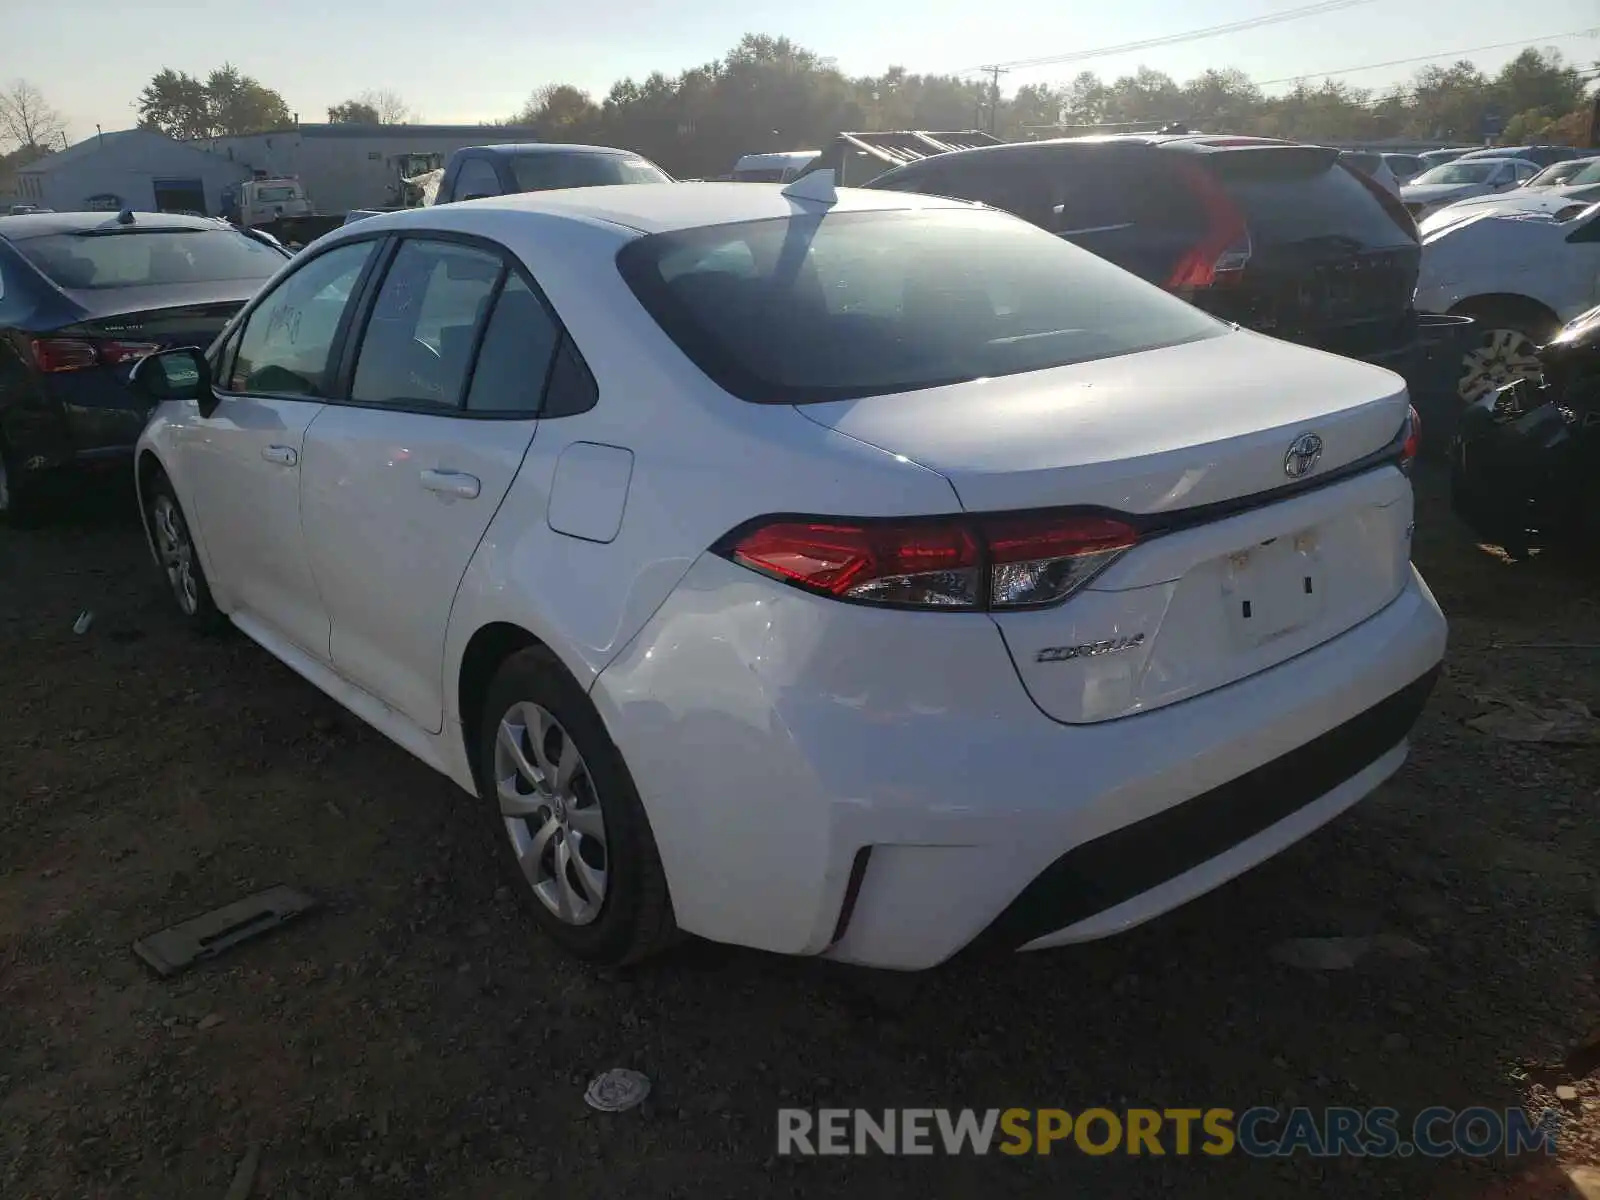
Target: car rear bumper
[[833, 788]]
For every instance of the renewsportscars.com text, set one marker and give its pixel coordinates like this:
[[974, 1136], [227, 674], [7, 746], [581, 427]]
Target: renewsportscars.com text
[[1255, 1132]]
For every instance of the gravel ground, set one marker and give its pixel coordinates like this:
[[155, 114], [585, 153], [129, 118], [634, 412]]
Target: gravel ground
[[415, 1037]]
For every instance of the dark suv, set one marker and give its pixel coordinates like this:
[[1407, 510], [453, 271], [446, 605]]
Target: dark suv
[[1278, 237]]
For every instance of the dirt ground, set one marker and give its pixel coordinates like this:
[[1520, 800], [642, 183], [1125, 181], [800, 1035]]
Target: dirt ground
[[417, 1038]]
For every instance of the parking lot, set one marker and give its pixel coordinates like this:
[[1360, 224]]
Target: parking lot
[[416, 1038]]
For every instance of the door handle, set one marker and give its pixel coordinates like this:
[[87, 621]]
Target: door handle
[[452, 483], [284, 456]]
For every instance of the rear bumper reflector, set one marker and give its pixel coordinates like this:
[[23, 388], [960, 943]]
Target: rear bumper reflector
[[1127, 862]]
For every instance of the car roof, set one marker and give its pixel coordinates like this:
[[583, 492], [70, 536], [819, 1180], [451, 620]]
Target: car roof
[[31, 225], [553, 148], [1187, 143], [662, 207]]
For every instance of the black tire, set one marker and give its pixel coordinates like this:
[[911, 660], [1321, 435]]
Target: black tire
[[635, 915], [192, 595], [22, 499], [1497, 317]]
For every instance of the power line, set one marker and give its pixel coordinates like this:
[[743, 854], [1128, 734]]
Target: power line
[[1400, 62], [1174, 39]]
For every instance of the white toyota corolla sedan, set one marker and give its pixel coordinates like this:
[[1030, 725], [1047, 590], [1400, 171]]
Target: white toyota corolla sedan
[[864, 575]]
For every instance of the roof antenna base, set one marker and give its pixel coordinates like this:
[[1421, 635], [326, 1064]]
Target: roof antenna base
[[815, 187]]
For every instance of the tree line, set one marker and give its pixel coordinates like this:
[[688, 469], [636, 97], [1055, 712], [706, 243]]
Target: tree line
[[768, 93]]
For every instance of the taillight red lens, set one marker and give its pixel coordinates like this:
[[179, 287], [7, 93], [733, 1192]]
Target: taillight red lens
[[64, 354], [1002, 562], [1224, 250], [76, 354], [1413, 442]]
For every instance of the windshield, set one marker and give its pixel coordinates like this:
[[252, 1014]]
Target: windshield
[[1477, 171], [1589, 174], [269, 195], [835, 307], [556, 169], [149, 258]]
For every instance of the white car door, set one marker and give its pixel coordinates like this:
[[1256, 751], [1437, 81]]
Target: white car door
[[401, 479], [241, 464]]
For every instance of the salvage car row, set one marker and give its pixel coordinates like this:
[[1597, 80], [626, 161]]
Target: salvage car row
[[857, 573]]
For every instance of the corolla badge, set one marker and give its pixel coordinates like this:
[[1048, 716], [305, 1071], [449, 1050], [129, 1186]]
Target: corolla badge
[[1088, 649], [1303, 455]]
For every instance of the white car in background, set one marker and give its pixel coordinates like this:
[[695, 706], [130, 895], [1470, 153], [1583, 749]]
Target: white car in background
[[805, 570], [1463, 180], [1519, 271]]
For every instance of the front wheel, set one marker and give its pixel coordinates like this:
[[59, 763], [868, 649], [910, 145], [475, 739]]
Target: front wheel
[[1503, 349], [569, 825], [179, 560]]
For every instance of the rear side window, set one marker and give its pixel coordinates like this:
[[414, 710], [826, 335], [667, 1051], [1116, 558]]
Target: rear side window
[[154, 258], [1301, 194], [544, 172], [517, 348], [803, 309], [476, 178]]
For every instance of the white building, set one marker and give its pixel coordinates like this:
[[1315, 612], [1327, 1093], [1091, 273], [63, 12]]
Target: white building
[[356, 166], [134, 168], [341, 166]]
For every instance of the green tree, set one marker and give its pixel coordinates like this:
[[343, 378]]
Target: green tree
[[560, 112], [352, 112], [227, 103]]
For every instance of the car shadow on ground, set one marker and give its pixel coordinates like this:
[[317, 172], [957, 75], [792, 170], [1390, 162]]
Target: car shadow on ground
[[417, 1036]]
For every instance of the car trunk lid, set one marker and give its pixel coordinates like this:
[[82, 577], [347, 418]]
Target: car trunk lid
[[1215, 451]]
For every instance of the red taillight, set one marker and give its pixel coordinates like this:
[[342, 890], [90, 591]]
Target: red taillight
[[1413, 442], [1223, 251], [76, 354], [1001, 562]]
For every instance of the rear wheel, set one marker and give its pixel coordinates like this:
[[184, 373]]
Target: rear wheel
[[1503, 348], [569, 825]]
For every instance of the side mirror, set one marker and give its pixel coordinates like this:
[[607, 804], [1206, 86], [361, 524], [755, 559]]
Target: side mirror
[[182, 374]]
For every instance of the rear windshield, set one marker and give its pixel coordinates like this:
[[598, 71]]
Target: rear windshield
[[544, 172], [834, 307], [152, 258], [1299, 194]]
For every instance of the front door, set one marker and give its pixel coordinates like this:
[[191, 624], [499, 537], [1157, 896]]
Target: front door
[[244, 459], [401, 481]]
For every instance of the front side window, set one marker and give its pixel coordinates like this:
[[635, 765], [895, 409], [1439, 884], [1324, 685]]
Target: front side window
[[477, 178], [418, 341], [151, 258], [798, 309], [285, 346]]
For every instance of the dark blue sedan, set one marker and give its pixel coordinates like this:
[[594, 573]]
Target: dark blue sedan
[[83, 296]]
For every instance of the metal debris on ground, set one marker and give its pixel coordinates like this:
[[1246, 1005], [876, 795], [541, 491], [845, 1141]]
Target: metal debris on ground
[[85, 619], [1567, 722], [618, 1090], [179, 947], [244, 1179]]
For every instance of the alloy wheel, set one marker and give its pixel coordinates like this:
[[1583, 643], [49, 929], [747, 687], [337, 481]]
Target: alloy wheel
[[1501, 356], [176, 550], [551, 812]]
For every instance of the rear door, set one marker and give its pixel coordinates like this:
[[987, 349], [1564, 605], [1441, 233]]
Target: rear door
[[402, 476]]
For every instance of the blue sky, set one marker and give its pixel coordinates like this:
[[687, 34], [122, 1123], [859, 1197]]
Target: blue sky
[[472, 60]]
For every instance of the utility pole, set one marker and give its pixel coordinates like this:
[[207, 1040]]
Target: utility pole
[[994, 74]]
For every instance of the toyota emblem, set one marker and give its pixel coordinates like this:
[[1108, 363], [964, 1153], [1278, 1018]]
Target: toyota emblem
[[1303, 455]]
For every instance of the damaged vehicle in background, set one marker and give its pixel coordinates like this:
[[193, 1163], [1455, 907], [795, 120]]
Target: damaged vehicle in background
[[1282, 238], [1519, 275], [1525, 462], [1463, 180], [83, 296]]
